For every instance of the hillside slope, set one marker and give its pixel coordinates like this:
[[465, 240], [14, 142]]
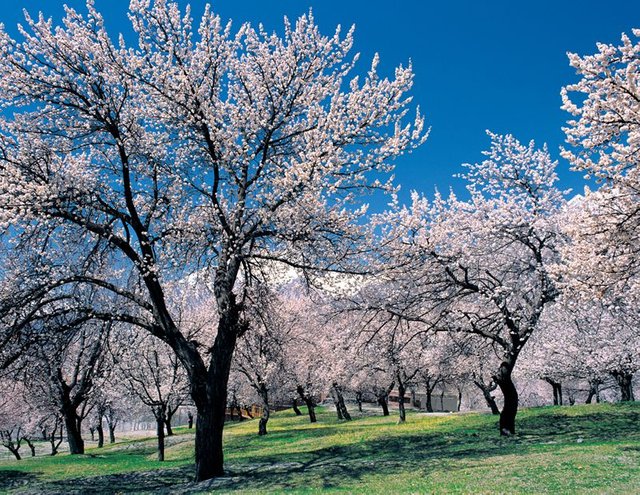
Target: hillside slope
[[580, 449]]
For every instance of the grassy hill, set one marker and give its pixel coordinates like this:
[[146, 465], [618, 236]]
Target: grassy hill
[[580, 449]]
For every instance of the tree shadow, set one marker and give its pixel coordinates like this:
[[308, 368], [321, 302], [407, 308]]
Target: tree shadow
[[10, 479], [338, 466], [156, 481]]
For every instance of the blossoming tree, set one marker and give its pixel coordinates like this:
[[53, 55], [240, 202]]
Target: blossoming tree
[[196, 147]]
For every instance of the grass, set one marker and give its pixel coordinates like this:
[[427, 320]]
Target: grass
[[580, 449]]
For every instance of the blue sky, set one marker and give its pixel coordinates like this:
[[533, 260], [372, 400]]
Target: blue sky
[[479, 65]]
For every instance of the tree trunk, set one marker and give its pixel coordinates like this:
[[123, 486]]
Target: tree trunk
[[15, 452], [32, 447], [510, 394], [190, 419], [625, 382], [100, 431], [74, 436], [52, 438], [295, 407], [112, 433], [338, 410], [593, 391], [340, 405], [311, 407], [560, 399], [52, 442], [211, 400], [264, 419], [167, 423], [557, 391], [382, 401], [486, 392], [160, 420], [429, 401], [262, 424], [491, 402], [402, 414], [359, 400]]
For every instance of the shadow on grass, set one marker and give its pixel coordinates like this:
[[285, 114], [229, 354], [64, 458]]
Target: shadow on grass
[[343, 465], [12, 479], [155, 481]]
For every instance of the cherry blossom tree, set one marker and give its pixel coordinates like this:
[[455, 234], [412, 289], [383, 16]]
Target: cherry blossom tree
[[395, 351], [481, 266], [199, 147], [603, 137], [306, 357], [588, 341], [65, 370], [13, 417], [154, 375], [259, 356]]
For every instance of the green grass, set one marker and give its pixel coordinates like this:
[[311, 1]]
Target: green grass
[[580, 449]]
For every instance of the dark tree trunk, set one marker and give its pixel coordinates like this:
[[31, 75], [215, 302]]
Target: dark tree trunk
[[382, 401], [359, 400], [559, 394], [459, 403], [54, 446], [209, 456], [486, 392], [14, 451], [429, 385], [491, 402], [100, 431], [625, 382], [343, 412], [295, 407], [264, 419], [311, 407], [112, 433], [402, 414], [51, 437], [167, 423], [92, 432], [429, 399], [32, 447], [208, 381], [510, 394], [308, 400], [190, 419], [74, 436], [593, 391], [338, 411], [557, 391], [212, 404], [160, 420]]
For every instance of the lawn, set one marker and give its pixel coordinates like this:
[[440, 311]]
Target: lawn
[[579, 449]]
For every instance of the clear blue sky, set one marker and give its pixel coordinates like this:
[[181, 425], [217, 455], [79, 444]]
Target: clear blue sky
[[479, 64]]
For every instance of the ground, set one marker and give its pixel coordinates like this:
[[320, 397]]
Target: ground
[[579, 449]]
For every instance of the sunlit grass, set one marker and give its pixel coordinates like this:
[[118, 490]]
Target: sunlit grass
[[580, 449]]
